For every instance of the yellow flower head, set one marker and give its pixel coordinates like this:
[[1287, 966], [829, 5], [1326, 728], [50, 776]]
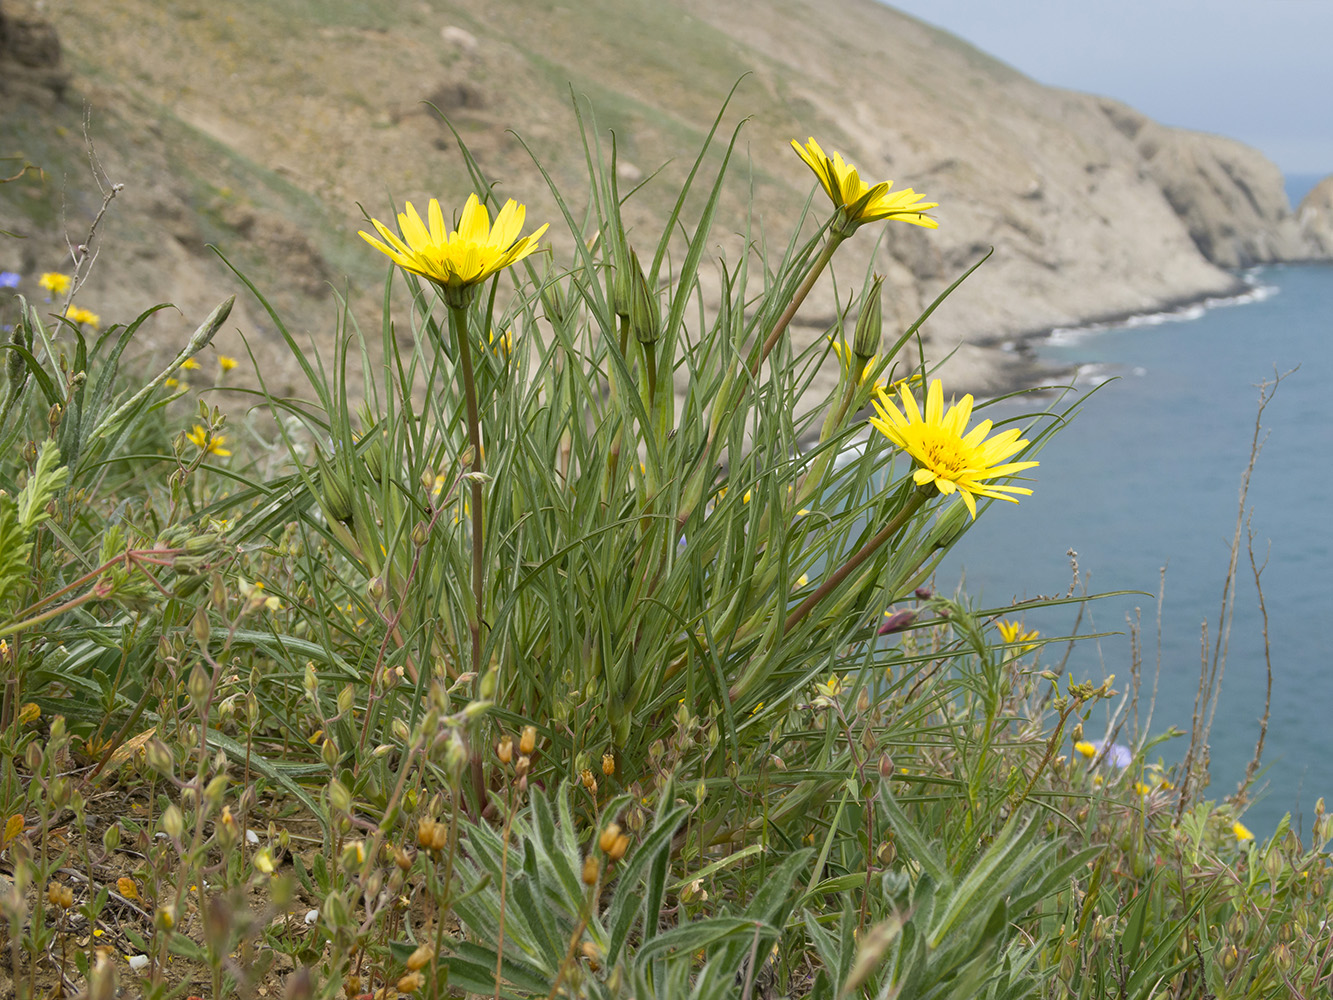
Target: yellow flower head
[[955, 459], [226, 363], [846, 359], [205, 440], [1086, 749], [1012, 632], [82, 315], [857, 199], [190, 365], [1241, 831], [54, 282], [455, 260]]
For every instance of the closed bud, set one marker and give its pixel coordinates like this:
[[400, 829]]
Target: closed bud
[[590, 871], [1273, 865], [198, 687], [410, 983], [328, 753], [644, 317], [528, 741], [523, 765], [1282, 957], [375, 588], [173, 822], [455, 756], [420, 534], [199, 625], [870, 324], [400, 731], [618, 848], [1077, 734], [489, 682], [1230, 957], [159, 758], [863, 701], [346, 698], [111, 837], [402, 858], [885, 766], [608, 836], [340, 799], [608, 764], [420, 958], [505, 749], [215, 790]]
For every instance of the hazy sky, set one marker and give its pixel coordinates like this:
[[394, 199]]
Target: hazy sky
[[1258, 70]]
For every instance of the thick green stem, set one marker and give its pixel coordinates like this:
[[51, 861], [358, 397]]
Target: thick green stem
[[458, 322], [821, 262], [867, 550]]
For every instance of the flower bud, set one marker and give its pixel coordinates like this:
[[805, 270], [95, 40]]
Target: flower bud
[[590, 871], [870, 324], [588, 781], [505, 749], [173, 822], [645, 318], [608, 764], [618, 848], [608, 837], [528, 741], [410, 983], [896, 622]]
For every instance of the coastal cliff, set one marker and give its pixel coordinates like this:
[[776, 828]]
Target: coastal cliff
[[221, 137], [1316, 217]]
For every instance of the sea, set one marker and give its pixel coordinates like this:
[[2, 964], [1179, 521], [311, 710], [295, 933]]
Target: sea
[[1144, 486]]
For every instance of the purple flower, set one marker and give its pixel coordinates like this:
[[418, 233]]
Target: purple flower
[[9, 279], [1116, 754]]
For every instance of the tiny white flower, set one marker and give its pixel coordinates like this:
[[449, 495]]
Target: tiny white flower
[[138, 962]]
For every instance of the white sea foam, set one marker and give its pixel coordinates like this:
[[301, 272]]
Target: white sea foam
[[1063, 336]]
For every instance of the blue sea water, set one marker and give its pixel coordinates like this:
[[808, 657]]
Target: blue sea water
[[1148, 476]]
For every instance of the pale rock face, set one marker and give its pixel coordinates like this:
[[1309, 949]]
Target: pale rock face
[[1316, 217]]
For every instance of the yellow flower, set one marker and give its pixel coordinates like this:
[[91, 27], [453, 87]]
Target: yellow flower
[[1012, 632], [455, 260], [1241, 831], [205, 440], [226, 363], [83, 316], [190, 365], [859, 201], [504, 345], [846, 358], [946, 453], [54, 282], [1086, 749]]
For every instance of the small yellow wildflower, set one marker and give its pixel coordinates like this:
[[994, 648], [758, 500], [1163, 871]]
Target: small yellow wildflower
[[190, 365], [83, 316], [226, 362], [54, 282], [459, 259], [206, 440], [1086, 749], [1241, 831], [1013, 632], [946, 453], [860, 202]]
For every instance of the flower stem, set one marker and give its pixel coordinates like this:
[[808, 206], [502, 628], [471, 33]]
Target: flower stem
[[458, 323], [834, 241], [867, 550]]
